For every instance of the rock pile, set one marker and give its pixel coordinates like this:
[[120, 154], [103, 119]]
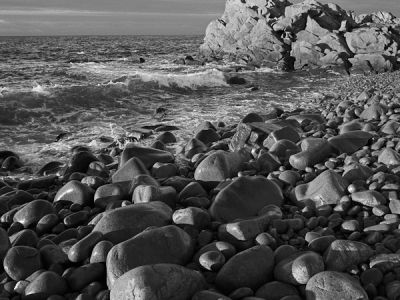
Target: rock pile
[[285, 205], [276, 33]]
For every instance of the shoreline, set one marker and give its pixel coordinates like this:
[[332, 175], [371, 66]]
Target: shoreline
[[307, 197]]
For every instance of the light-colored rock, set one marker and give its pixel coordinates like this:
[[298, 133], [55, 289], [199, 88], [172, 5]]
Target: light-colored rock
[[298, 268], [329, 285], [158, 282], [327, 188], [342, 254]]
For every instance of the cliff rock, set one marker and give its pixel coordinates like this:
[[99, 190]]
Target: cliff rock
[[276, 33]]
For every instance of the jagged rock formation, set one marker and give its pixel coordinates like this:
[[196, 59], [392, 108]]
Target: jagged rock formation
[[276, 33]]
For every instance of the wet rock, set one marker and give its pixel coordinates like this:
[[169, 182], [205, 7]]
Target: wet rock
[[164, 170], [283, 149], [193, 147], [129, 170], [140, 180], [80, 162], [244, 197], [148, 193], [100, 251], [327, 188], [249, 268], [26, 237], [168, 244], [330, 285], [166, 137], [38, 183], [123, 223], [220, 165], [46, 223], [342, 254], [31, 213], [11, 163], [314, 151], [208, 136], [149, 156], [158, 282], [75, 192], [285, 133], [46, 284], [21, 261], [109, 193], [82, 249]]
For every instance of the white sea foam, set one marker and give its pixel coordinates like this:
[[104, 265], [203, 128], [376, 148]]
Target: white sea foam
[[3, 90], [40, 89], [208, 78]]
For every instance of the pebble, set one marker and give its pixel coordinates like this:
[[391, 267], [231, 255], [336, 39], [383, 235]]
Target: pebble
[[100, 251], [46, 284], [212, 260]]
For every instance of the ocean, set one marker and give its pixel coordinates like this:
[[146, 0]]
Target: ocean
[[59, 92]]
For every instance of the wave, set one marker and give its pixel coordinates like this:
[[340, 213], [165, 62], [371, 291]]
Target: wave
[[208, 78], [40, 89]]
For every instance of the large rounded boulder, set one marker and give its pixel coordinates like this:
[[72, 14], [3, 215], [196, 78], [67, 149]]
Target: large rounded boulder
[[221, 165], [158, 282], [244, 197], [123, 223], [168, 244], [250, 268]]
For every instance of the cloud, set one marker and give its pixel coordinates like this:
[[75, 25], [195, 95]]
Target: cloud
[[3, 21], [72, 12]]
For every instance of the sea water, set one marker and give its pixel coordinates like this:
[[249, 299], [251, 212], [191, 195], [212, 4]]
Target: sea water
[[93, 90]]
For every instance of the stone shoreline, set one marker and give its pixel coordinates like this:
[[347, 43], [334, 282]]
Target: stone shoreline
[[299, 204]]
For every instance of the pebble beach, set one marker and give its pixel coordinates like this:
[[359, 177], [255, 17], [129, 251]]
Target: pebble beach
[[285, 204]]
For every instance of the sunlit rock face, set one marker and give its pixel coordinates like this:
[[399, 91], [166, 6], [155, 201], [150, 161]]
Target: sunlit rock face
[[276, 33]]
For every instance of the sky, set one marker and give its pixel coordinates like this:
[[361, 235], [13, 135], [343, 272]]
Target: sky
[[110, 17]]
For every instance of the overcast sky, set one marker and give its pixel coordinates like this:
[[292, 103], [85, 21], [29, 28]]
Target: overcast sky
[[72, 17]]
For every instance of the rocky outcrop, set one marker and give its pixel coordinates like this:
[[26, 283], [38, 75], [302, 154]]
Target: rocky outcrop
[[276, 33]]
